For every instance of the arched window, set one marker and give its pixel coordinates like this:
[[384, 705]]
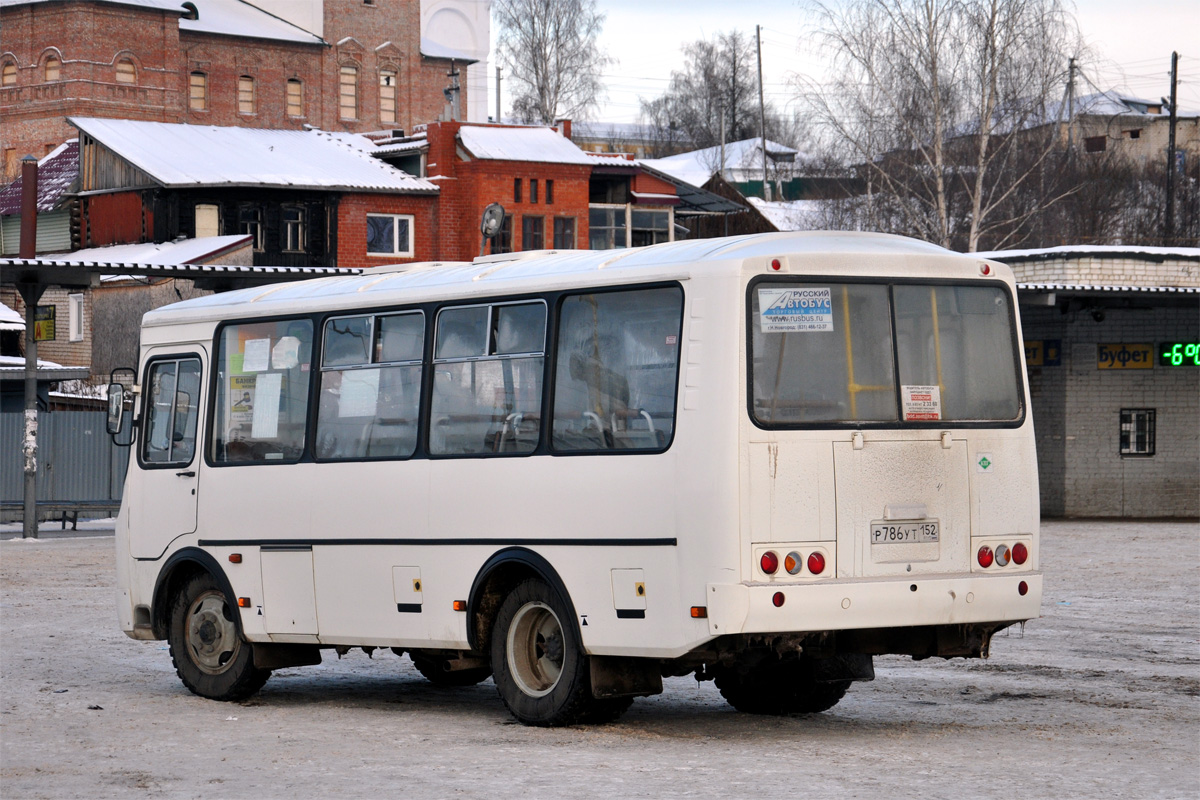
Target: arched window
[[8, 74], [295, 98], [246, 103], [198, 91], [52, 70], [387, 95], [126, 71], [348, 93]]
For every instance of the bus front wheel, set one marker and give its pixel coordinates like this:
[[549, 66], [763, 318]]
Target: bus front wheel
[[778, 688], [538, 663], [207, 650]]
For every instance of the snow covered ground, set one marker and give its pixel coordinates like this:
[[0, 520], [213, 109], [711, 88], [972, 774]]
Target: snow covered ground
[[1099, 698]]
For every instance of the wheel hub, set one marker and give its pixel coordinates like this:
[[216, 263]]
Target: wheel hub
[[535, 649], [211, 634]]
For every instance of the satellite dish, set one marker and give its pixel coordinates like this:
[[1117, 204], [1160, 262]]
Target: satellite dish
[[493, 220]]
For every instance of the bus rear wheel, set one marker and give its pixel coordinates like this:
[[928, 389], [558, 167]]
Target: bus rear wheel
[[778, 688], [207, 650], [538, 663]]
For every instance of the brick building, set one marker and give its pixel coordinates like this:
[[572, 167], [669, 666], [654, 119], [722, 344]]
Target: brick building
[[357, 66], [1118, 424]]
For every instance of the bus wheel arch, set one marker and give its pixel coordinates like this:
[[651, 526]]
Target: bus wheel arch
[[180, 568], [496, 579]]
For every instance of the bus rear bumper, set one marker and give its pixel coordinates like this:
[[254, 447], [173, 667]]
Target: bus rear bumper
[[742, 608]]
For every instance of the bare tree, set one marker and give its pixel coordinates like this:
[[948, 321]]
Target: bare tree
[[945, 105], [549, 49], [718, 82]]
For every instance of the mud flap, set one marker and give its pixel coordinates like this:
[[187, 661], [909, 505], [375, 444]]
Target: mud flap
[[844, 667], [278, 656], [624, 677]]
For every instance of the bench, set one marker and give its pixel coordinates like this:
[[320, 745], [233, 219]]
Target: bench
[[14, 510]]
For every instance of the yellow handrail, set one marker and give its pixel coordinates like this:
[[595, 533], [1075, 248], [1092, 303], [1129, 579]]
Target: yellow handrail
[[852, 386]]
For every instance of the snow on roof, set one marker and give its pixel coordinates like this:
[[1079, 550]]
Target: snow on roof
[[10, 320], [238, 18], [491, 142], [792, 215], [56, 172], [432, 49], [634, 131], [1095, 251], [164, 5], [205, 155], [697, 166], [185, 251]]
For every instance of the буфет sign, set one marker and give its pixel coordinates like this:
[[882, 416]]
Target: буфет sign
[[1125, 356]]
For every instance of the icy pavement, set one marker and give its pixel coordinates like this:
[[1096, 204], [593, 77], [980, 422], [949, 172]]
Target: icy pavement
[[1100, 698]]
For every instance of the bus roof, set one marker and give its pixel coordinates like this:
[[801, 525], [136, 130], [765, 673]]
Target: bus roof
[[535, 271]]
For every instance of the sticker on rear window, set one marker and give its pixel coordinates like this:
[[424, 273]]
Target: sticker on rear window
[[921, 402], [795, 310]]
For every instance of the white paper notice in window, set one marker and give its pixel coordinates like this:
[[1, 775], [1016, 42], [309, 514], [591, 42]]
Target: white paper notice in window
[[257, 356], [795, 310], [359, 393], [266, 404], [921, 402]]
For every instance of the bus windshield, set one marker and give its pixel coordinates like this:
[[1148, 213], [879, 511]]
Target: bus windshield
[[855, 353]]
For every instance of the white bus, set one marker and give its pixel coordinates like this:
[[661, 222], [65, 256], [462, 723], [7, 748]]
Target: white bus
[[762, 460]]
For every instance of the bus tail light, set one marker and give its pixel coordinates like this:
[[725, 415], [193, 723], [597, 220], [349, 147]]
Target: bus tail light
[[793, 563], [816, 563], [769, 562], [778, 599], [1022, 588], [1020, 553], [1001, 555], [985, 556]]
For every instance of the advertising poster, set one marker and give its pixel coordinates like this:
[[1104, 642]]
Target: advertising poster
[[795, 310], [921, 402]]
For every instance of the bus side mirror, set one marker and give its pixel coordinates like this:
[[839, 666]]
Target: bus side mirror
[[120, 388]]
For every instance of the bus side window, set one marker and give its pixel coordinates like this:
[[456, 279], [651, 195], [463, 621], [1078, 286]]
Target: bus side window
[[618, 366], [487, 388], [172, 412]]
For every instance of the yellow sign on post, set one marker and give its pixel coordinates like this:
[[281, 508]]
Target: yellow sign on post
[[43, 324], [1125, 356]]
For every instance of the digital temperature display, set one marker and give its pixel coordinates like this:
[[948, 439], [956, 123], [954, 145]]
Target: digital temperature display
[[1179, 354]]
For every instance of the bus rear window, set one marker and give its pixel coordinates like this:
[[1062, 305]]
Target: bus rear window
[[861, 353], [263, 370]]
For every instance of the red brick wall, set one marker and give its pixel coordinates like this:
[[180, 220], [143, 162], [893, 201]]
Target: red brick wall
[[92, 36], [352, 227], [471, 185]]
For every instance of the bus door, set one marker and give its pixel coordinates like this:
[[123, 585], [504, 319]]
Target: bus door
[[162, 499]]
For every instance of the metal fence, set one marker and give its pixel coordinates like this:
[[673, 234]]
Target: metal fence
[[77, 460]]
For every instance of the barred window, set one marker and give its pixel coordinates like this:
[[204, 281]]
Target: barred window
[[1137, 431]]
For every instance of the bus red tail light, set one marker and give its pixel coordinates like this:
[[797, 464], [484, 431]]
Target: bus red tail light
[[985, 556], [778, 599], [1022, 588], [1020, 553], [816, 563], [769, 562]]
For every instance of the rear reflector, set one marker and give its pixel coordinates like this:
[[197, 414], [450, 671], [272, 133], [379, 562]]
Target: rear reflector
[[778, 599], [460, 605], [816, 563], [699, 612], [985, 556], [243, 602], [1022, 588], [769, 562], [1020, 553], [235, 558]]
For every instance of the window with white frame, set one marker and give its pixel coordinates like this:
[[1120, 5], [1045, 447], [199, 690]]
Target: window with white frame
[[390, 235], [75, 315], [1137, 431], [294, 233]]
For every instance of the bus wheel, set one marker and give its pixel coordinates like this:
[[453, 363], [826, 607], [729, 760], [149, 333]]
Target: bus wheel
[[435, 672], [208, 653], [778, 688], [538, 663]]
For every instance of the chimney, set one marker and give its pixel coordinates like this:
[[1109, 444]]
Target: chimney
[[29, 193], [564, 127]]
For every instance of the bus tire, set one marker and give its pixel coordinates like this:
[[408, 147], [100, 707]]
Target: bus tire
[[778, 688], [538, 663], [207, 648], [435, 672]]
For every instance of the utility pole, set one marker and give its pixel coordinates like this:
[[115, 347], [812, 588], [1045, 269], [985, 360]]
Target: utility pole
[[1071, 105], [762, 114], [1169, 226], [30, 294], [497, 95]]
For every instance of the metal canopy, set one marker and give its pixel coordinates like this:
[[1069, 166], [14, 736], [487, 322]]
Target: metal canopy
[[217, 277]]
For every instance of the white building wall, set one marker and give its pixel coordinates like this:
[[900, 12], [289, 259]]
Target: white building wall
[[464, 25]]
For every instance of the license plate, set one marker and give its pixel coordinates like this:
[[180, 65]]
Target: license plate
[[904, 532]]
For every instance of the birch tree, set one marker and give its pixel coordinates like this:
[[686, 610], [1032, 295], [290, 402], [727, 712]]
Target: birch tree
[[947, 109], [549, 50]]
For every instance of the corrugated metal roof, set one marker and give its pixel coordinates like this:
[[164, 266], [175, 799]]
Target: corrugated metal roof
[[56, 171], [162, 5], [185, 251], [543, 145], [434, 49], [1088, 287], [179, 156], [236, 18]]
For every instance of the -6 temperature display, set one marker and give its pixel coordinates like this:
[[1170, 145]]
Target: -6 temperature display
[[1179, 354]]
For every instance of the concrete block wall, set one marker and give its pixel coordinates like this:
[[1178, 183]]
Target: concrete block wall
[[1077, 407], [1110, 269], [60, 350]]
